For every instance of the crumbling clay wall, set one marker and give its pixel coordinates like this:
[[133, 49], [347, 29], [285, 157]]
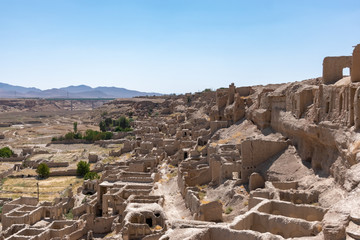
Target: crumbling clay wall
[[333, 68], [355, 69]]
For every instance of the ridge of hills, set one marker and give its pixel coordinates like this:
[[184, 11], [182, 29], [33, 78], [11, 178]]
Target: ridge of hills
[[80, 91]]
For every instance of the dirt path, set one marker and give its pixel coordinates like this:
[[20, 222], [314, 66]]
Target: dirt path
[[174, 205]]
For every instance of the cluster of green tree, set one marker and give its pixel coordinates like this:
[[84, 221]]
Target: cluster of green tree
[[6, 152], [83, 170], [90, 135], [120, 125]]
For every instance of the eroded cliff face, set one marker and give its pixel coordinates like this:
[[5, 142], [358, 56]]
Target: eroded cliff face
[[320, 120]]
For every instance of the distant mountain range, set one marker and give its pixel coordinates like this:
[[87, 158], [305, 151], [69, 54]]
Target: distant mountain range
[[81, 91]]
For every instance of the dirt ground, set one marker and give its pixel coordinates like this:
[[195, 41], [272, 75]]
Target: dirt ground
[[35, 130], [49, 188]]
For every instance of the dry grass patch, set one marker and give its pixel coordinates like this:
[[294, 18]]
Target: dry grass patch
[[236, 137], [202, 195], [6, 166], [200, 148], [26, 172], [49, 188], [158, 228], [355, 147], [228, 210], [171, 174]]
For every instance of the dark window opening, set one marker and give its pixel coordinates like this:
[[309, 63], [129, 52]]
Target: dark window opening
[[149, 222], [185, 155], [341, 103], [157, 214], [318, 167], [327, 107]]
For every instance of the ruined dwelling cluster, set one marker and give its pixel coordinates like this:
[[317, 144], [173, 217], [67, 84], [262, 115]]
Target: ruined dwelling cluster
[[310, 125]]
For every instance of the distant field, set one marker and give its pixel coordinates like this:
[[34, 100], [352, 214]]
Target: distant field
[[49, 188]]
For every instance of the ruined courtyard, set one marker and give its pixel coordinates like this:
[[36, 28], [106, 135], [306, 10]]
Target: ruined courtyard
[[279, 161]]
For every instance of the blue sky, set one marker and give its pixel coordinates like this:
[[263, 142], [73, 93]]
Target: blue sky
[[171, 46]]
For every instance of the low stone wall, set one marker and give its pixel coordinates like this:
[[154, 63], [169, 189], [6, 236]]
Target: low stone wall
[[34, 165], [269, 216], [72, 141], [78, 211], [69, 172], [6, 173], [103, 224], [12, 159]]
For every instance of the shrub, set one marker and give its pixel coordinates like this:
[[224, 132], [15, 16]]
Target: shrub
[[91, 135], [106, 135], [6, 152], [124, 122], [202, 195], [69, 136], [72, 136], [120, 125], [43, 170], [228, 210], [188, 99], [69, 215], [82, 168], [119, 129], [91, 176], [77, 135]]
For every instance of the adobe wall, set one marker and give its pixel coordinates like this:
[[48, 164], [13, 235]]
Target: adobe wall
[[69, 172], [355, 69], [275, 223], [306, 212], [256, 151], [12, 159], [333, 68], [244, 91]]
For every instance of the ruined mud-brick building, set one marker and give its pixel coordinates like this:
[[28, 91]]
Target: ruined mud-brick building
[[263, 162]]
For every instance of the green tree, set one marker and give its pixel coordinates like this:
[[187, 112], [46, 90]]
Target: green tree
[[124, 122], [82, 168], [102, 126], [75, 127], [108, 122], [69, 136], [43, 170], [6, 152], [91, 176]]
